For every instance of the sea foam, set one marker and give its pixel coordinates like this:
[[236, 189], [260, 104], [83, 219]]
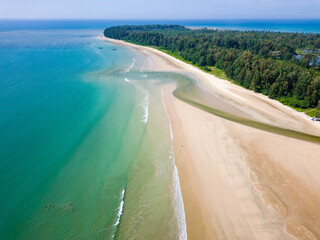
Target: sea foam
[[131, 66], [145, 106], [179, 206], [127, 80], [120, 208]]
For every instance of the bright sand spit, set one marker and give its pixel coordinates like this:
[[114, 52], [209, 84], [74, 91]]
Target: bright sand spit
[[239, 182]]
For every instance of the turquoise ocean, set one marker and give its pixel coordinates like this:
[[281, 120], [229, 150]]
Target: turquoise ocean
[[85, 140]]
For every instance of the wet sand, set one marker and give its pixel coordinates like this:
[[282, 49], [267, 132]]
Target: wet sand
[[239, 182]]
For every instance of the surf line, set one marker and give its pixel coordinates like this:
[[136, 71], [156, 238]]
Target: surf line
[[127, 80], [131, 66], [120, 212], [145, 106]]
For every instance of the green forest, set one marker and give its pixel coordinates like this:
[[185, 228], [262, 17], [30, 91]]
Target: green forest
[[284, 66]]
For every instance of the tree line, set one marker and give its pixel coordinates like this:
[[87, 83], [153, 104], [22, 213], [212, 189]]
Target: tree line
[[284, 66]]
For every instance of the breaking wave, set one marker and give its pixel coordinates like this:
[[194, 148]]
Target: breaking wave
[[127, 80], [131, 66], [145, 106], [120, 208]]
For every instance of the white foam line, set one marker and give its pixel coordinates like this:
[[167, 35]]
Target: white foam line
[[145, 106], [127, 80], [177, 195], [120, 208], [131, 66], [179, 206], [170, 129]]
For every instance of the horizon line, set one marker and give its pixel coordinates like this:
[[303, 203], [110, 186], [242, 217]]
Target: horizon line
[[155, 19]]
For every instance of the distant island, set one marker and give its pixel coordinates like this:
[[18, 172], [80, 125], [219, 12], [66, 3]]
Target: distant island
[[283, 66]]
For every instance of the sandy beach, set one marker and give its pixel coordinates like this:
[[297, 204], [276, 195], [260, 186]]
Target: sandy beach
[[239, 182]]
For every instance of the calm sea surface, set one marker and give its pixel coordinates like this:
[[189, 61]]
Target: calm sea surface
[[85, 146], [282, 25]]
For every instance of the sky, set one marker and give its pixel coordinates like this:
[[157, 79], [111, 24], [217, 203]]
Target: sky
[[161, 9]]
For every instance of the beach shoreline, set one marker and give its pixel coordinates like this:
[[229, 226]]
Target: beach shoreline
[[238, 182]]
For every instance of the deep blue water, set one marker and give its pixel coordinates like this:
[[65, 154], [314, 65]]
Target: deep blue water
[[290, 25], [301, 26]]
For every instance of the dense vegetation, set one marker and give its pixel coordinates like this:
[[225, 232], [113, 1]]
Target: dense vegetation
[[284, 66]]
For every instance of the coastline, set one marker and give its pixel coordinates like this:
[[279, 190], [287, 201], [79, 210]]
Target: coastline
[[233, 94], [238, 182], [177, 194]]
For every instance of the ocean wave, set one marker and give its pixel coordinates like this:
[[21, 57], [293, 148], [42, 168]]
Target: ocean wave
[[170, 128], [127, 80], [131, 66], [179, 206], [145, 106], [120, 208]]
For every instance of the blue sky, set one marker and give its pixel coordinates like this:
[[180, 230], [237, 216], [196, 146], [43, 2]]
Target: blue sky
[[162, 9]]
